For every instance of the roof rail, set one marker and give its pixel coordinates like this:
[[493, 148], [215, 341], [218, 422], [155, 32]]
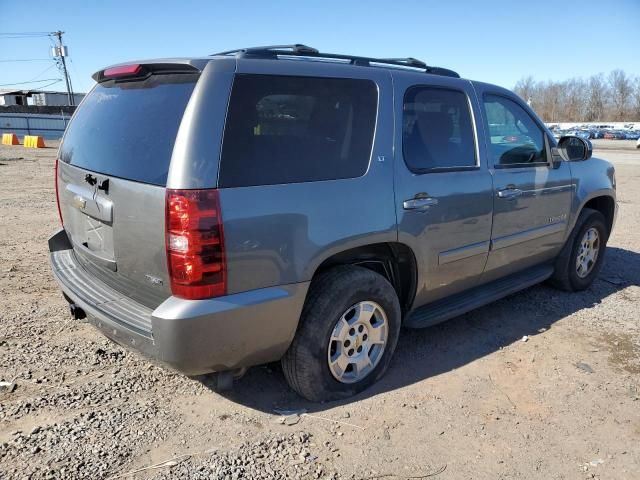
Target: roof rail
[[409, 61], [304, 51], [296, 48]]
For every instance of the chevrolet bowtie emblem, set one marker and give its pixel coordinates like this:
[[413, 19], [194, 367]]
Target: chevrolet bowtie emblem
[[79, 202]]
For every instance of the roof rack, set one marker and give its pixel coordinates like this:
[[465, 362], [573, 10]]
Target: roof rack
[[304, 51]]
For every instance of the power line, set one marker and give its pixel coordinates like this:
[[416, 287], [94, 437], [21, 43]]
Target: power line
[[83, 85], [42, 72], [47, 85], [19, 37], [25, 33], [59, 53], [30, 81], [26, 60]]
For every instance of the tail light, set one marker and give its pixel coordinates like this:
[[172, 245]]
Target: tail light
[[55, 180], [195, 244]]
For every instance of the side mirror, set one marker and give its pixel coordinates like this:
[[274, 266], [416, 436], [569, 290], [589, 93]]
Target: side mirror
[[573, 148]]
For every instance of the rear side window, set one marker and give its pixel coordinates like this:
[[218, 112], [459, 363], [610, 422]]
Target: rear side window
[[127, 129], [285, 129], [437, 130]]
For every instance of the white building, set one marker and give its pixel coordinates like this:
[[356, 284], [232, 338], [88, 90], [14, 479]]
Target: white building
[[54, 98], [12, 97], [37, 97]]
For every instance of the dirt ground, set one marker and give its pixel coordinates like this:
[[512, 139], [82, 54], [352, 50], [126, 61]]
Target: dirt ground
[[468, 399]]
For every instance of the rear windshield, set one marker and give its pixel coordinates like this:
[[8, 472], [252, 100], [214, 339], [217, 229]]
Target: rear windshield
[[127, 129]]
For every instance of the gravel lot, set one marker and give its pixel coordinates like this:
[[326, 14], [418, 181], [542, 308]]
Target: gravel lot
[[468, 399]]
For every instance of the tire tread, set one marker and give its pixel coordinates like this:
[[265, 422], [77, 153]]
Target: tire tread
[[298, 363], [561, 278]]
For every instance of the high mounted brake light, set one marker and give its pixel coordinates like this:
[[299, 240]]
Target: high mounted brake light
[[122, 71], [195, 244], [142, 70]]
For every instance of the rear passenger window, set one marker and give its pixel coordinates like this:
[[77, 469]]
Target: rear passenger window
[[515, 138], [437, 130], [283, 129]]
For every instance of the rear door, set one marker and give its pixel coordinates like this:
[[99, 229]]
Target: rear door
[[112, 173], [532, 194], [443, 188]]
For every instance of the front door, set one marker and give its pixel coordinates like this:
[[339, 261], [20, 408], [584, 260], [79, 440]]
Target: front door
[[443, 189], [532, 196]]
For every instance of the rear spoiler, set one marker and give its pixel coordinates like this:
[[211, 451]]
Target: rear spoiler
[[142, 69]]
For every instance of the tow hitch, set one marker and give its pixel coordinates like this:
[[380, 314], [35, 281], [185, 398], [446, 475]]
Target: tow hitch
[[76, 312]]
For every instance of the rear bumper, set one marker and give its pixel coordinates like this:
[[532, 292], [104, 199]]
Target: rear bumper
[[191, 336]]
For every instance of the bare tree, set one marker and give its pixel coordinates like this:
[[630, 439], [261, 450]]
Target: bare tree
[[526, 88], [599, 98], [549, 106], [574, 99], [620, 94], [636, 99], [596, 98]]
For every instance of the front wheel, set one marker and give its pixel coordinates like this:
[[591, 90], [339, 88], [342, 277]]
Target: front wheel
[[581, 259], [347, 334]]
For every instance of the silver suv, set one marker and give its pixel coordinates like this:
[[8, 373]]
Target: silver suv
[[277, 203]]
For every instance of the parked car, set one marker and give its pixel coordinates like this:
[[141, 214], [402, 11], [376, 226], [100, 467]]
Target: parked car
[[557, 134], [632, 134], [621, 135], [581, 133], [611, 135], [599, 133], [277, 203]]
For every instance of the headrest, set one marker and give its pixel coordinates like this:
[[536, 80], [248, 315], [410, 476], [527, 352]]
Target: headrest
[[435, 125]]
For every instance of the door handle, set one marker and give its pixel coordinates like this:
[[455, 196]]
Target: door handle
[[419, 203], [509, 193]]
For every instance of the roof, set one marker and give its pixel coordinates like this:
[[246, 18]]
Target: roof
[[288, 52]]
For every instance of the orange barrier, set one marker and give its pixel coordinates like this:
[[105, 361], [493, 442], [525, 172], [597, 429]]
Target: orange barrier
[[32, 141], [10, 139]]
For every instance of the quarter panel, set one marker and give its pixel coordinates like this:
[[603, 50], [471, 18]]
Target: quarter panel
[[280, 234]]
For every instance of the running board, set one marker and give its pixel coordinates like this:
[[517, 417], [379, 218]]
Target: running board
[[456, 305]]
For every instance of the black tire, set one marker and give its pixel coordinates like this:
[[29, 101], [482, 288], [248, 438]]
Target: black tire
[[331, 294], [565, 276]]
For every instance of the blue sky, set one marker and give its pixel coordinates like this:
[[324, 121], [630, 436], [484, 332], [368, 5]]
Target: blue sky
[[498, 41]]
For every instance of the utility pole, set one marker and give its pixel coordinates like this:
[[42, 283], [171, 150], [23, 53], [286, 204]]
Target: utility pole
[[60, 51]]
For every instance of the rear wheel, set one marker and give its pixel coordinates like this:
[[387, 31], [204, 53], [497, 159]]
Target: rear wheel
[[347, 334], [581, 259]]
